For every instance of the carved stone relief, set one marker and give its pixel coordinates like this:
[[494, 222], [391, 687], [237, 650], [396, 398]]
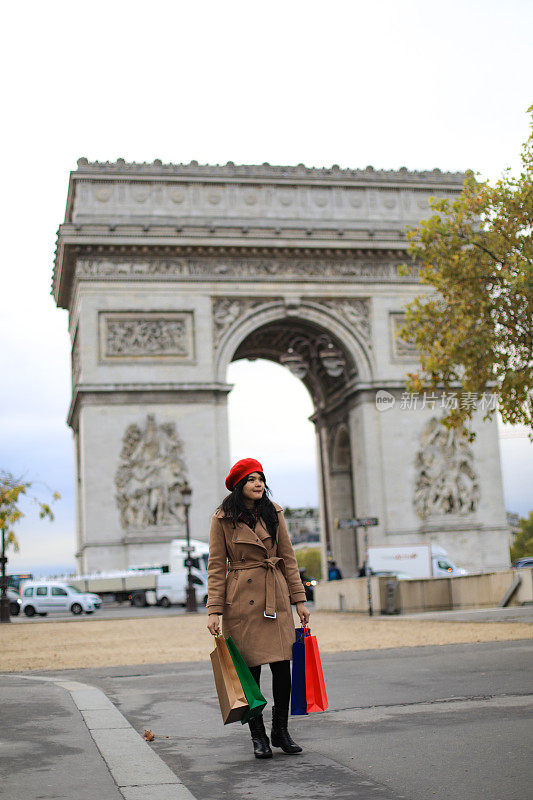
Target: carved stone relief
[[401, 348], [167, 335], [227, 310], [250, 200], [227, 266], [150, 476], [355, 311], [446, 482]]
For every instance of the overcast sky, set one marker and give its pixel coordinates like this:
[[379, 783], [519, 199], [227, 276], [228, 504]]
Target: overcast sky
[[351, 83]]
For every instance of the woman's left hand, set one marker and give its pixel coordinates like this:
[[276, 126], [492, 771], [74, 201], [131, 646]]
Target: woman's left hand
[[303, 613]]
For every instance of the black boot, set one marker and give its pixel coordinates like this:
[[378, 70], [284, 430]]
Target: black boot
[[280, 736], [259, 738]]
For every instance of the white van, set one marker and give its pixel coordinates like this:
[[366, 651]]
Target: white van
[[172, 588], [412, 561], [43, 597]]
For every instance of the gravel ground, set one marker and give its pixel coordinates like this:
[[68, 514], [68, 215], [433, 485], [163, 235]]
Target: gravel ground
[[73, 645]]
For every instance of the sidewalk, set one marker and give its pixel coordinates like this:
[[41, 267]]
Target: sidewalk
[[415, 723], [65, 739]]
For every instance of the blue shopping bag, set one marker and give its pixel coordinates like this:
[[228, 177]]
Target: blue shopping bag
[[298, 696]]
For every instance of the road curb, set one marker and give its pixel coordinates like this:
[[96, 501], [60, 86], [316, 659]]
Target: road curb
[[136, 769]]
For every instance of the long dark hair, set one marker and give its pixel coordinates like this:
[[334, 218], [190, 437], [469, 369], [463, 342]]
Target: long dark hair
[[234, 506]]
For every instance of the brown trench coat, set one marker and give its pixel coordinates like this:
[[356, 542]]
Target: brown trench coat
[[263, 578]]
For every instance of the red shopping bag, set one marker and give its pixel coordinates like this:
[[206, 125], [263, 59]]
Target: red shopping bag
[[315, 687]]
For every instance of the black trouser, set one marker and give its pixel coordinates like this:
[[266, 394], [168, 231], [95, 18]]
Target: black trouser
[[281, 682]]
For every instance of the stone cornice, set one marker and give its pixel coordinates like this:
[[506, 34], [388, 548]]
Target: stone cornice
[[270, 172], [139, 393], [227, 235], [250, 206]]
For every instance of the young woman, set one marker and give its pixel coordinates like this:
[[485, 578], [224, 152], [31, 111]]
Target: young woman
[[255, 595]]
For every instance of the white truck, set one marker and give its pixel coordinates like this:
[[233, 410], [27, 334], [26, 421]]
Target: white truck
[[177, 557], [143, 587], [153, 584], [412, 561]]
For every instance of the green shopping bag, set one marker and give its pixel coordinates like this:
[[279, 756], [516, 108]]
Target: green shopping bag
[[255, 699]]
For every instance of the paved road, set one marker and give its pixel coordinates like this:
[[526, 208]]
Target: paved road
[[417, 723], [111, 611]]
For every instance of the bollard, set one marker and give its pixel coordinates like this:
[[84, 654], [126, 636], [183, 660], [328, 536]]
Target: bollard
[[391, 597]]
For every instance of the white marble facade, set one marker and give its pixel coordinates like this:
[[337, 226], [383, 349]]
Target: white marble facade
[[170, 272]]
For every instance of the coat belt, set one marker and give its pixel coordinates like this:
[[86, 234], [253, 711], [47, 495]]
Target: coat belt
[[269, 564]]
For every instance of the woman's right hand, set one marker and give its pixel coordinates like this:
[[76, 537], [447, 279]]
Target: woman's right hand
[[213, 625]]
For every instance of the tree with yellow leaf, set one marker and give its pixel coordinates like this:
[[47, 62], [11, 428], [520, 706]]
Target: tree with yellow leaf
[[474, 333], [11, 490]]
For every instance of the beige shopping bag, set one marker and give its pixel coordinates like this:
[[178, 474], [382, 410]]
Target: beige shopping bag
[[233, 704]]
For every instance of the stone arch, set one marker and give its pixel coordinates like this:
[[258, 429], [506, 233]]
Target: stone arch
[[258, 315], [263, 330]]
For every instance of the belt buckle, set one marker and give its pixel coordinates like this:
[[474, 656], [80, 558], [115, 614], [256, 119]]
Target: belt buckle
[[270, 616]]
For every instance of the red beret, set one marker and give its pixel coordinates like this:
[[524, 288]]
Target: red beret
[[240, 470]]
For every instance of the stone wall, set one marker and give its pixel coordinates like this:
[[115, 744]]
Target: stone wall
[[429, 594]]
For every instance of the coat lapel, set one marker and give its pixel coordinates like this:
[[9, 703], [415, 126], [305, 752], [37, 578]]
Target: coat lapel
[[261, 531], [245, 535]]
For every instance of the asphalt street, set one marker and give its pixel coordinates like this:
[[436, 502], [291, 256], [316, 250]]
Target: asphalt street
[[105, 612], [427, 722]]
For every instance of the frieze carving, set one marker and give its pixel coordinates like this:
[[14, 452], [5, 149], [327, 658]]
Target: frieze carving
[[124, 268], [325, 207], [227, 310], [150, 476], [355, 311], [446, 482], [400, 347], [133, 335]]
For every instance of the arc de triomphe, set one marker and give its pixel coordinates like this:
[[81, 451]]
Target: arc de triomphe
[[171, 272]]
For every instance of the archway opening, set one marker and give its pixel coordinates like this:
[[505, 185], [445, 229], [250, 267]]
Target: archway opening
[[270, 410]]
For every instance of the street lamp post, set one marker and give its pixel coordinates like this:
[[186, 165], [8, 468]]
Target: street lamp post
[[190, 605], [4, 599], [319, 350]]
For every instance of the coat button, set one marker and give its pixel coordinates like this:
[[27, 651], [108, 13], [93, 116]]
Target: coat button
[[249, 580], [252, 602]]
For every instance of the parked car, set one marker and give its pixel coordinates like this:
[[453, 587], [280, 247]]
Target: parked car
[[43, 597], [526, 562], [14, 602], [309, 584]]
